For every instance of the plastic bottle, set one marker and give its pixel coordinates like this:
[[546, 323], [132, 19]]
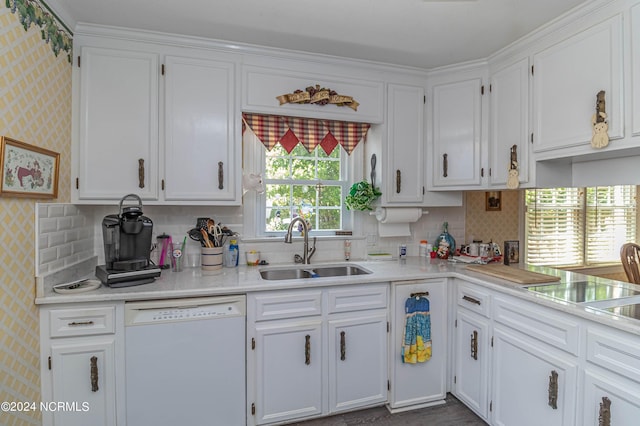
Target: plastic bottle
[[423, 249], [233, 253]]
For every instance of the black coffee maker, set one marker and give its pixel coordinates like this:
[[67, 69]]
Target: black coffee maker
[[127, 246]]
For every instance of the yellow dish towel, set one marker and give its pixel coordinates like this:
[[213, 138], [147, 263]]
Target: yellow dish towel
[[416, 342]]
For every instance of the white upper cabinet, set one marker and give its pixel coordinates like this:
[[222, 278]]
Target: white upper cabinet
[[118, 125], [199, 129], [567, 76], [171, 141], [456, 134], [404, 181], [509, 100], [635, 57]]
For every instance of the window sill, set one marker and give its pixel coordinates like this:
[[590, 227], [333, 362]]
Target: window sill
[[280, 239]]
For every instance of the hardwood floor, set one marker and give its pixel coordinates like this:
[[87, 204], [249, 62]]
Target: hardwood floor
[[453, 413]]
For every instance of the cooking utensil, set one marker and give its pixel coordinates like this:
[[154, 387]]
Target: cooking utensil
[[215, 235], [196, 235], [373, 170], [205, 239]]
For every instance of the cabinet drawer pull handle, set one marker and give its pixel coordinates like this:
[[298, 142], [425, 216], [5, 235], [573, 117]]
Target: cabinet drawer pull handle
[[79, 323], [398, 181], [553, 390], [94, 374], [604, 417], [445, 165], [474, 345], [220, 175], [141, 173], [471, 299], [307, 349], [343, 346]]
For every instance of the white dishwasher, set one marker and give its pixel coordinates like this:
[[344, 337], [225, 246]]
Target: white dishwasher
[[185, 362]]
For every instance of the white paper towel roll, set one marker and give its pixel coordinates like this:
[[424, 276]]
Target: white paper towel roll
[[394, 222], [398, 214]]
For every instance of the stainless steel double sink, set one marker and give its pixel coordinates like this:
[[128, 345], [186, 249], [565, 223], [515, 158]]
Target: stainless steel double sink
[[279, 273]]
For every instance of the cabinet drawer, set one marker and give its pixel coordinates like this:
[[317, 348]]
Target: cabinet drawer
[[615, 351], [82, 321], [272, 305], [473, 299], [358, 298], [538, 322]]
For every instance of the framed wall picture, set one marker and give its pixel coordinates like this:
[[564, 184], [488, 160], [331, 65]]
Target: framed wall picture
[[493, 201], [27, 170], [511, 252]]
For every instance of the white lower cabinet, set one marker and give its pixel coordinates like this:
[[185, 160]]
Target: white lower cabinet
[[420, 384], [472, 354], [532, 384], [611, 379], [357, 361], [288, 370], [84, 375], [535, 364], [609, 399], [80, 352], [315, 352]]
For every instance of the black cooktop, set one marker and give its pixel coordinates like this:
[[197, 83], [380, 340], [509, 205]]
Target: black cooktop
[[630, 311], [584, 291]]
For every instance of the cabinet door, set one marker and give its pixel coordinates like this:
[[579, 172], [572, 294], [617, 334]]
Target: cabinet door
[[472, 361], [83, 373], [357, 361], [523, 382], [421, 383], [635, 58], [118, 114], [199, 130], [509, 122], [404, 180], [457, 133], [604, 391], [288, 371], [567, 77]]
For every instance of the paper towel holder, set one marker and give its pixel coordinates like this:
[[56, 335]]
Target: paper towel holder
[[424, 211]]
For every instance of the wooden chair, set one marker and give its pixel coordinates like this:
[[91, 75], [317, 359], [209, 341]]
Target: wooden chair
[[630, 256]]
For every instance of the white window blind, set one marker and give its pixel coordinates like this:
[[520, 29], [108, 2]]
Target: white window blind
[[610, 222], [579, 226], [554, 226]]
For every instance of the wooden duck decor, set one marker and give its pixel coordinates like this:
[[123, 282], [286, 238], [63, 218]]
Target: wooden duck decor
[[600, 138]]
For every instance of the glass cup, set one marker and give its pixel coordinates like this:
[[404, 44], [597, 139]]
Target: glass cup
[[252, 257]]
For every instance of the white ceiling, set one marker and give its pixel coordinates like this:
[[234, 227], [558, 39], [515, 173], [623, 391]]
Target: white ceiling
[[420, 33]]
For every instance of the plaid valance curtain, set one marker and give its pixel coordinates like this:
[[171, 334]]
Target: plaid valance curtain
[[290, 131]]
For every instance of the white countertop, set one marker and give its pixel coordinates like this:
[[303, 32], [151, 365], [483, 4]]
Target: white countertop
[[192, 282]]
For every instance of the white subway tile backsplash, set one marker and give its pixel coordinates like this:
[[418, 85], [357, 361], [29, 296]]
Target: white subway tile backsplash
[[48, 255], [65, 223], [81, 228], [56, 210], [72, 235], [65, 250], [57, 238], [71, 210], [65, 236], [48, 225]]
